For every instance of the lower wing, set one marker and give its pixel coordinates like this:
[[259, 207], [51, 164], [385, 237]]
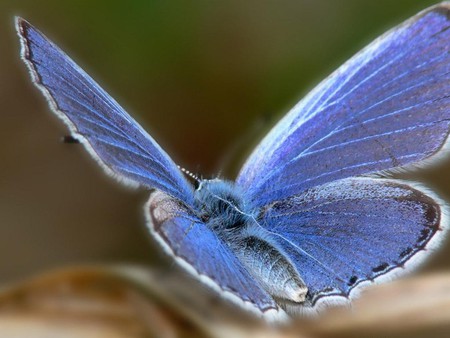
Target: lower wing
[[355, 230], [198, 250]]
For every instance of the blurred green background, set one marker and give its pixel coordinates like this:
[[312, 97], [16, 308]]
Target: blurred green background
[[206, 78]]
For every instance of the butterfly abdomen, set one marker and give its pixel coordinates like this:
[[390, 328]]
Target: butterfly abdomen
[[273, 271]]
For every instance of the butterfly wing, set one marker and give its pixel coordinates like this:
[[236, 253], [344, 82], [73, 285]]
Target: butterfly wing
[[127, 151], [111, 136], [354, 230], [199, 250], [387, 107]]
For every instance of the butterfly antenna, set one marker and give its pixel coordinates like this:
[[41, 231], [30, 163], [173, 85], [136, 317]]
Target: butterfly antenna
[[191, 175]]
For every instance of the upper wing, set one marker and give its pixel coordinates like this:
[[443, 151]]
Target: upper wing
[[112, 137], [387, 107], [196, 248], [353, 230]]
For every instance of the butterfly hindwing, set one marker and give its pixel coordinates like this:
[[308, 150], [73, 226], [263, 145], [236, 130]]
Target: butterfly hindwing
[[112, 136], [195, 247], [354, 230], [387, 107]]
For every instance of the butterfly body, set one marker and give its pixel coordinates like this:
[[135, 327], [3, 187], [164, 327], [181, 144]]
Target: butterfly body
[[314, 214], [223, 209]]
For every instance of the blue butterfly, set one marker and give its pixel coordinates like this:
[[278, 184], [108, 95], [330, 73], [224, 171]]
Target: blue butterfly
[[312, 216]]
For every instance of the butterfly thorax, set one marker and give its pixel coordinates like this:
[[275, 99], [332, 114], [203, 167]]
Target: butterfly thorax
[[221, 206]]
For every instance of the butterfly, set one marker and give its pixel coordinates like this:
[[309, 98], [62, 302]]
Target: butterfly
[[313, 215]]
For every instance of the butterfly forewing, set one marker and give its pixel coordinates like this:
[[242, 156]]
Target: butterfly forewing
[[112, 136], [388, 107]]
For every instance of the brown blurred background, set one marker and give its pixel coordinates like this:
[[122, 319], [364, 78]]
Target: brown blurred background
[[203, 78]]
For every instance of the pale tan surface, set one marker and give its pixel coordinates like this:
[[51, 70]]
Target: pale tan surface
[[126, 301]]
